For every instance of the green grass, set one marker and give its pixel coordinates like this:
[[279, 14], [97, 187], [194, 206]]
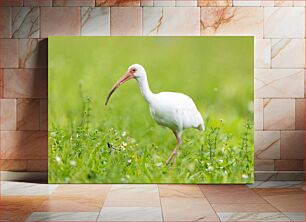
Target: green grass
[[120, 143]]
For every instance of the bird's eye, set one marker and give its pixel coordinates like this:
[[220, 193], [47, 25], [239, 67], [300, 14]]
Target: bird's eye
[[134, 70]]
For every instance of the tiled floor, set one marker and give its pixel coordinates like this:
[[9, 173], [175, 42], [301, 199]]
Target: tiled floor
[[268, 201]]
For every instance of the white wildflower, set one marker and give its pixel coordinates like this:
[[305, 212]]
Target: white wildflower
[[72, 163], [123, 134], [129, 161], [220, 161], [210, 169], [159, 164], [245, 176], [58, 159]]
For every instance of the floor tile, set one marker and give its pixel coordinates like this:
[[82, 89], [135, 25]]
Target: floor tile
[[230, 194], [251, 216], [14, 208], [262, 207], [191, 191], [277, 184], [187, 209], [295, 216], [9, 188], [130, 214], [133, 196], [82, 190], [63, 216]]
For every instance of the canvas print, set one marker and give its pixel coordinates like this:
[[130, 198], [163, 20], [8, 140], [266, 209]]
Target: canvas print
[[150, 109]]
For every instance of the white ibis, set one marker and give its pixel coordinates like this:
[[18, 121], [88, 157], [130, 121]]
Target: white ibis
[[170, 109]]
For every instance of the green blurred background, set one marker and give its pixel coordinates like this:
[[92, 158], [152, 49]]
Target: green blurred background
[[216, 72]]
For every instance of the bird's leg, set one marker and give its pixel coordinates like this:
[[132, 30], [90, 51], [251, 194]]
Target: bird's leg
[[174, 152]]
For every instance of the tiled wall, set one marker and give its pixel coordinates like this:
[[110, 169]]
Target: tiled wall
[[278, 27]]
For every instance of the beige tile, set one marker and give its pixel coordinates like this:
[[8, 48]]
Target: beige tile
[[126, 21], [22, 145], [73, 2], [300, 114], [25, 83], [304, 83], [279, 114], [43, 114], [299, 3], [245, 3], [284, 50], [279, 3], [219, 3], [262, 207], [5, 22], [258, 114], [163, 3], [279, 83], [262, 53], [91, 191], [232, 21], [266, 3], [1, 83], [160, 21], [8, 53], [289, 165], [187, 191], [37, 2], [8, 114], [33, 53], [51, 17], [37, 165], [95, 21], [25, 22], [267, 144], [186, 3], [146, 2], [292, 144], [13, 165], [253, 216], [230, 194], [133, 196], [187, 209], [284, 22], [263, 165], [118, 3], [27, 114]]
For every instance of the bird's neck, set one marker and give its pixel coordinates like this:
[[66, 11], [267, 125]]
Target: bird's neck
[[145, 89]]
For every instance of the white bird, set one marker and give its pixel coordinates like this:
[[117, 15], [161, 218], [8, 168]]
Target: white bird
[[174, 110]]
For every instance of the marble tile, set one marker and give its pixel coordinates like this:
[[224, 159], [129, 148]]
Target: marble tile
[[126, 21], [25, 22], [25, 83], [292, 144], [37, 2], [219, 3], [146, 2], [262, 53], [279, 3], [33, 53], [22, 144], [262, 165], [289, 165], [279, 114], [9, 188], [186, 3], [253, 216], [133, 196], [258, 114], [187, 209], [187, 191], [279, 83], [130, 214], [13, 165], [277, 184], [73, 2], [8, 53], [5, 22], [160, 21], [267, 3], [43, 114], [284, 22], [27, 114], [52, 16], [295, 216], [5, 3], [37, 165], [279, 175], [283, 50], [248, 3], [267, 144], [299, 3], [230, 194], [63, 216], [300, 114], [163, 3], [1, 83], [263, 207], [118, 3], [95, 21], [232, 21], [8, 114], [18, 208]]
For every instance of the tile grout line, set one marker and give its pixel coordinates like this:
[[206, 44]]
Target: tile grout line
[[104, 202], [161, 208]]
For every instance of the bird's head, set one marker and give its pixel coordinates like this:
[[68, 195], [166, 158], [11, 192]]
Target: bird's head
[[135, 71]]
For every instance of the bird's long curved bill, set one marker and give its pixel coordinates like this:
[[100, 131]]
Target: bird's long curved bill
[[127, 76]]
